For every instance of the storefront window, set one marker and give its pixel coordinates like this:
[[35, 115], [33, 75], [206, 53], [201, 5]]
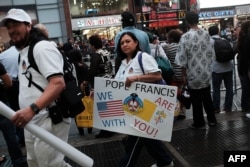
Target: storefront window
[[80, 8]]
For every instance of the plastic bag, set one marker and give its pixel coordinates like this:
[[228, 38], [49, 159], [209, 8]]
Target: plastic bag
[[85, 118]]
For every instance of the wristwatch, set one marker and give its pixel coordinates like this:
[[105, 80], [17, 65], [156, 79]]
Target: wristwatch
[[34, 108]]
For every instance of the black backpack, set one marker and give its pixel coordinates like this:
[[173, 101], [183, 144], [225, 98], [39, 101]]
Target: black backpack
[[70, 102], [223, 50]]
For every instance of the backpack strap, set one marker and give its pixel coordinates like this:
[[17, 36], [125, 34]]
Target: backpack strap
[[140, 62], [31, 56], [28, 75], [157, 50], [33, 64]]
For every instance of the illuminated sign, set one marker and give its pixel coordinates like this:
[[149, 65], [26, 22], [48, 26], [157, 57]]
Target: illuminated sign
[[163, 5], [181, 14], [154, 16], [241, 10], [167, 23], [216, 14], [160, 19], [96, 22], [167, 15], [141, 17]]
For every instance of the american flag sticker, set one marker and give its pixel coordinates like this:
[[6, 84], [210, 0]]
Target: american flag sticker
[[110, 108]]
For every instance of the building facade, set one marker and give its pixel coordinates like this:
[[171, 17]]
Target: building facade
[[54, 14], [82, 18]]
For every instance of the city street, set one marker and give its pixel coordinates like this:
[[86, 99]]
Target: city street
[[106, 152], [70, 24]]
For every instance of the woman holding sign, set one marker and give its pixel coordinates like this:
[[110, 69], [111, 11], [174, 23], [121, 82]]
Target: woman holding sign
[[129, 70]]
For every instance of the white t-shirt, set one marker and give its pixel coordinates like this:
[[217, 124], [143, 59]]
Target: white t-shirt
[[133, 68], [161, 52], [49, 62]]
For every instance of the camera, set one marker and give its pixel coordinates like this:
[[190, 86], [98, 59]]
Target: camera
[[55, 114]]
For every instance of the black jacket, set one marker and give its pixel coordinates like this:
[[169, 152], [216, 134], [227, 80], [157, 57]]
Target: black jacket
[[244, 57]]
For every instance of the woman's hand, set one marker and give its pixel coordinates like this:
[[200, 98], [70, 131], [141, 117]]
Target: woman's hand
[[131, 79], [91, 93]]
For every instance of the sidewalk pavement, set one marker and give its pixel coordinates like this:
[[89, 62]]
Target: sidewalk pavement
[[189, 147]]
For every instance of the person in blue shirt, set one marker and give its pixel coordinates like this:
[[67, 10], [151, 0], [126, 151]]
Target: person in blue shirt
[[7, 127], [128, 24], [9, 58]]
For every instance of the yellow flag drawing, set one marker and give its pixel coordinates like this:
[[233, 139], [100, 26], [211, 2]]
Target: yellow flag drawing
[[148, 110]]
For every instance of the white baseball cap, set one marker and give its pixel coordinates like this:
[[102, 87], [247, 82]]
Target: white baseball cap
[[17, 15]]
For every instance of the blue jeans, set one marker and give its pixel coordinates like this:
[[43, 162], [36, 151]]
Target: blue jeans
[[155, 148], [227, 78], [9, 133], [245, 94]]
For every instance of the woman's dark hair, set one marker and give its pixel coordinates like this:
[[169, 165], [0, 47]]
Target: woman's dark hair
[[244, 34], [96, 41], [37, 34], [120, 55], [174, 36], [75, 55]]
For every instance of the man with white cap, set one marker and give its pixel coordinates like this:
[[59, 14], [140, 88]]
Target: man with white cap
[[34, 104]]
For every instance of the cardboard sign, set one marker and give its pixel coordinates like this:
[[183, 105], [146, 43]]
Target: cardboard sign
[[143, 109]]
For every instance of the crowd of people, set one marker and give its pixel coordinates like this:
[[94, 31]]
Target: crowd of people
[[191, 54]]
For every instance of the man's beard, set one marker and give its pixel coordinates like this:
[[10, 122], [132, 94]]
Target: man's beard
[[23, 42]]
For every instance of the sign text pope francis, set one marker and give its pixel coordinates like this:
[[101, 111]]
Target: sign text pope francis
[[143, 109]]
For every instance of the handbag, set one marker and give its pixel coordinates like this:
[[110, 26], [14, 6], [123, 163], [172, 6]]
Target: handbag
[[165, 66], [185, 98], [70, 100], [85, 118]]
